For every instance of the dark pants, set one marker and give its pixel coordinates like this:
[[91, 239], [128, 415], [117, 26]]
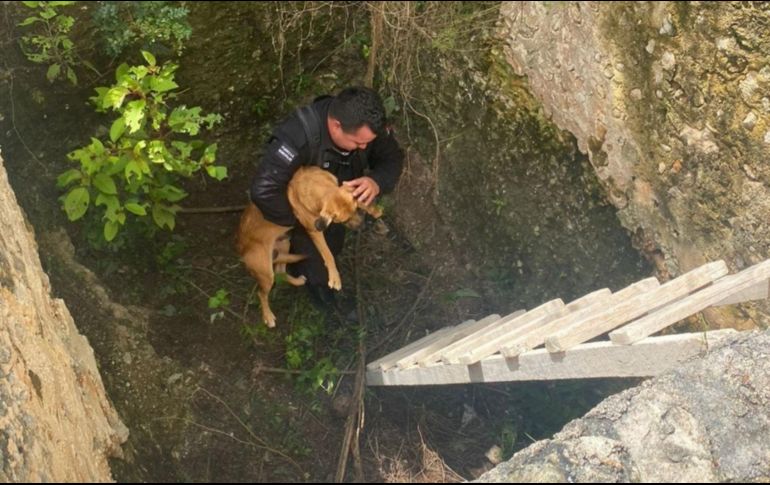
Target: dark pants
[[313, 267]]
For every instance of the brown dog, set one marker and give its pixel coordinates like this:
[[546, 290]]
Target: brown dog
[[317, 201]]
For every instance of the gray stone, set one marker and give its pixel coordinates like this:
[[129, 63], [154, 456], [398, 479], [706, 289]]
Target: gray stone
[[705, 422]]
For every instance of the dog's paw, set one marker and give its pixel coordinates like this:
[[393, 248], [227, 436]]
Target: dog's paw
[[335, 283], [269, 320]]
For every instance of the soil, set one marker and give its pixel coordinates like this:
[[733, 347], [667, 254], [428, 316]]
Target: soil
[[238, 418]]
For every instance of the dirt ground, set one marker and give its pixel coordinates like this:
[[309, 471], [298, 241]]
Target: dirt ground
[[242, 417]]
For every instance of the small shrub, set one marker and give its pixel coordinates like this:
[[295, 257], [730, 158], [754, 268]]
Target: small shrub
[[150, 148], [155, 26], [50, 43]]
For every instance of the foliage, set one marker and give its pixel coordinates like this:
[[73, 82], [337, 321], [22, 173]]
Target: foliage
[[303, 346], [415, 31], [155, 26], [508, 439], [135, 173], [461, 293], [50, 43], [220, 300]]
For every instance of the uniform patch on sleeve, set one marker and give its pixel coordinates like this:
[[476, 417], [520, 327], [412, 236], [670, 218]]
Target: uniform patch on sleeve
[[286, 153]]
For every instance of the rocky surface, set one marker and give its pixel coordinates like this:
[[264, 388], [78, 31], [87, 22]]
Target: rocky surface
[[56, 422], [705, 422], [669, 100]]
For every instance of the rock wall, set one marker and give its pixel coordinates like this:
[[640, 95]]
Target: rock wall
[[705, 422], [56, 423], [522, 207], [670, 101]]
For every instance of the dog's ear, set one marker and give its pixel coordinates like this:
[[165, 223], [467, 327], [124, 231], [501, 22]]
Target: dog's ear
[[321, 224]]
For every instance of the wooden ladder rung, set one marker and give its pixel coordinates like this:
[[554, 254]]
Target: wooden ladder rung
[[670, 314], [628, 309], [649, 357]]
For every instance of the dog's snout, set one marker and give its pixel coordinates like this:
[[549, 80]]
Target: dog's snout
[[356, 220]]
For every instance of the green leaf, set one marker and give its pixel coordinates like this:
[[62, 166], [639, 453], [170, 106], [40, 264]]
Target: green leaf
[[114, 164], [139, 72], [98, 100], [48, 13], [157, 118], [163, 216], [184, 149], [149, 58], [293, 359], [121, 72], [111, 202], [140, 145], [162, 85], [157, 152], [219, 300], [38, 58], [111, 230], [53, 72], [105, 184], [184, 120], [59, 4], [76, 203], [217, 171], [136, 167], [134, 115], [170, 193], [96, 146], [135, 208], [117, 129], [211, 119], [29, 21], [68, 177], [31, 4], [209, 154], [114, 97]]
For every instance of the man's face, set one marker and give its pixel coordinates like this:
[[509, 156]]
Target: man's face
[[349, 141]]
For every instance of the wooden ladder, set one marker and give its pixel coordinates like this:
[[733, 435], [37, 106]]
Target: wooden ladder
[[498, 349]]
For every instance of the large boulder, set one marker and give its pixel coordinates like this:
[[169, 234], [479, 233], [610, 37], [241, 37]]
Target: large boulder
[[708, 421], [56, 422]]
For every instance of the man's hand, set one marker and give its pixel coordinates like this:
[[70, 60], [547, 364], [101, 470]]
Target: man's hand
[[365, 189]]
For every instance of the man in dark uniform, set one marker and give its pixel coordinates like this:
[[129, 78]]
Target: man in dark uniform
[[345, 135]]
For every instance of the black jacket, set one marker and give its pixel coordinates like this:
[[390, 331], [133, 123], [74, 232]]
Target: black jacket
[[289, 148]]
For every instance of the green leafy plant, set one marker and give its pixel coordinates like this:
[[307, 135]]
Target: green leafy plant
[[150, 148], [499, 205], [323, 375], [304, 349], [220, 300], [50, 43], [508, 437], [149, 25]]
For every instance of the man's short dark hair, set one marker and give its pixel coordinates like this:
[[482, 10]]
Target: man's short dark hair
[[358, 106]]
